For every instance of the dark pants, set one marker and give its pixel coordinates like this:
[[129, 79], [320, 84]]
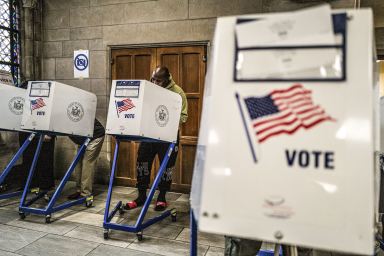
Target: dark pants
[[43, 176], [235, 246], [146, 154]]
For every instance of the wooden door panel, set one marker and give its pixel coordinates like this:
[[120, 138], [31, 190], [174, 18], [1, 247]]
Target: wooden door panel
[[190, 74], [142, 66], [171, 61], [123, 66], [191, 127], [187, 67], [188, 161]]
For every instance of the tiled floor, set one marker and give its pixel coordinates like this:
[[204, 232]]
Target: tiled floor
[[78, 230]]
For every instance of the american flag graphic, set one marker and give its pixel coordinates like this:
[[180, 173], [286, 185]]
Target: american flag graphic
[[124, 105], [37, 103], [284, 112]]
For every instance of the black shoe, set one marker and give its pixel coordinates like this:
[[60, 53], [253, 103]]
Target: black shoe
[[160, 206]]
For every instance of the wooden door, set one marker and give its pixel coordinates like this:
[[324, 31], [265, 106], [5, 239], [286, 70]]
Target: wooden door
[[187, 66]]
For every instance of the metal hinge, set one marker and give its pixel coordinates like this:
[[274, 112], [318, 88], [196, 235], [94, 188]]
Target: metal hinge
[[204, 58]]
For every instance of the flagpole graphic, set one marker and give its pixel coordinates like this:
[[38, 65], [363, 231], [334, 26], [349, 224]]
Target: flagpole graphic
[[246, 128]]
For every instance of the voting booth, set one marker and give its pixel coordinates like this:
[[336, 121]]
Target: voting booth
[[289, 130], [53, 108], [11, 103], [58, 108], [141, 108], [144, 112]]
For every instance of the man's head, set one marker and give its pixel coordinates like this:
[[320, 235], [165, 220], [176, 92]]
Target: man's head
[[161, 76]]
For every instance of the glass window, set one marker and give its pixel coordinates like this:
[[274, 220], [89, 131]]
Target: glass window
[[10, 38]]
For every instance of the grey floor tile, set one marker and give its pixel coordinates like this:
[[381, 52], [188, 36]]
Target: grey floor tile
[[4, 253], [131, 216], [95, 234], [115, 197], [164, 247], [104, 250], [179, 206], [10, 204], [182, 219], [170, 196], [122, 190], [214, 251], [96, 207], [163, 231], [58, 227], [88, 218], [183, 198], [8, 215], [14, 238], [58, 245], [203, 238], [125, 196]]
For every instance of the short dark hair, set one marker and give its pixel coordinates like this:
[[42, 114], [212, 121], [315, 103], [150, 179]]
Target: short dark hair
[[162, 71]]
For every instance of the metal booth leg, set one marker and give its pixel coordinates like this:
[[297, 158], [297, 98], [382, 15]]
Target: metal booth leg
[[30, 175], [8, 168], [107, 216], [139, 225], [193, 227], [51, 208], [155, 185]]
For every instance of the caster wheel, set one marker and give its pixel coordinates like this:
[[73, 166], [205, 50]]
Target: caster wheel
[[173, 216], [3, 188], [47, 198], [35, 191], [106, 233], [139, 236], [22, 215], [48, 219], [89, 201], [121, 210]]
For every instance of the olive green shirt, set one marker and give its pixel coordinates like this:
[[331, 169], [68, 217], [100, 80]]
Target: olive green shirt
[[172, 86]]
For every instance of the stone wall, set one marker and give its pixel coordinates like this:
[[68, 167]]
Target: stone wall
[[97, 25], [378, 11]]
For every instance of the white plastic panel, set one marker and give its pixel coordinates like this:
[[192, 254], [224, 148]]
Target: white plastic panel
[[12, 104], [141, 108], [304, 178], [59, 108]]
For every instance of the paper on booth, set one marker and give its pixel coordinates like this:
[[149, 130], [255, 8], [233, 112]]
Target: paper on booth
[[312, 26], [285, 64]]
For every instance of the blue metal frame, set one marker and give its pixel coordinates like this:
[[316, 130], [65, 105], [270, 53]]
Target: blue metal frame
[[139, 225], [8, 168], [193, 227], [51, 208]]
